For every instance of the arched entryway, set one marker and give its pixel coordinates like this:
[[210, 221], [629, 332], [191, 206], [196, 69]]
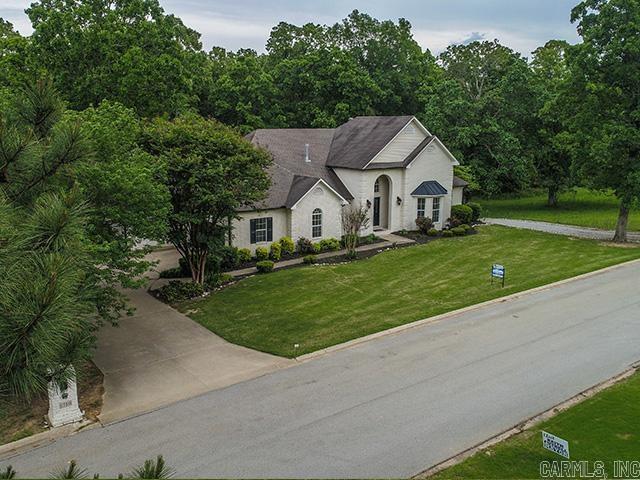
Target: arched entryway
[[381, 206]]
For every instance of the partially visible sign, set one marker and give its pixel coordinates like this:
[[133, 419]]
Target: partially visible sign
[[497, 271], [555, 444]]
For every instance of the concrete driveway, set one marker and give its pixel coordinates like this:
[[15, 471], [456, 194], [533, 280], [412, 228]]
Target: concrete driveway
[[160, 356], [390, 407]]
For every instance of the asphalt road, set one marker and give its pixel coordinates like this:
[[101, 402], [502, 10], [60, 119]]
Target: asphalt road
[[386, 408]]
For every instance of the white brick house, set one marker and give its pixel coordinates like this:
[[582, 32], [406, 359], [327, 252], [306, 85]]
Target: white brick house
[[391, 165]]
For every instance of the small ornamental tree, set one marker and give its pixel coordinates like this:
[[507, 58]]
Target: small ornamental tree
[[211, 172], [354, 220]]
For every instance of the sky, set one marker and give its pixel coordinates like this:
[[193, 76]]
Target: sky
[[522, 25]]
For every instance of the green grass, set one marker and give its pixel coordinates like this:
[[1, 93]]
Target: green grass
[[319, 306], [604, 428], [581, 207]]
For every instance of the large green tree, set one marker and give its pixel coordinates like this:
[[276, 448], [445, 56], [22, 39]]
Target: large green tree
[[482, 104], [211, 172], [605, 93], [14, 52], [124, 50], [554, 145]]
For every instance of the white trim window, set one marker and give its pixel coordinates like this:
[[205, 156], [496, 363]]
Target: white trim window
[[316, 223], [376, 186], [435, 210], [261, 229], [422, 207]]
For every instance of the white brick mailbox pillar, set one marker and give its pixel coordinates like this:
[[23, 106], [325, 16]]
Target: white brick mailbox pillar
[[63, 402]]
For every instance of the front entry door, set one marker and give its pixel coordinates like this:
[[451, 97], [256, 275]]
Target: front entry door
[[376, 212]]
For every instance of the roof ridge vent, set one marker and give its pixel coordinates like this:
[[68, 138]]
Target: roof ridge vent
[[306, 153]]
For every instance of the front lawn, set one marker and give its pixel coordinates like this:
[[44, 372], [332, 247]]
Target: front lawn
[[581, 207], [319, 306], [603, 428]]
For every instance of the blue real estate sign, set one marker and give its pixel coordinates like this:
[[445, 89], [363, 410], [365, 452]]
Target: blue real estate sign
[[497, 271]]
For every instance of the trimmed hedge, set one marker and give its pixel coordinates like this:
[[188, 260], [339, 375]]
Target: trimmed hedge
[[262, 253], [244, 255], [275, 251], [287, 246], [176, 291], [265, 266], [433, 232], [461, 214], [476, 209], [309, 259], [458, 231], [330, 244], [447, 233]]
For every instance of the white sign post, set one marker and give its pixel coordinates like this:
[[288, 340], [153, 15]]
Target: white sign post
[[63, 403], [555, 444]]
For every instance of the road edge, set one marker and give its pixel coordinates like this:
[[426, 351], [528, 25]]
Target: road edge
[[528, 423]]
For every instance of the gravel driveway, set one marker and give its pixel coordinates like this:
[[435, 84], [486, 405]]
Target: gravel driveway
[[560, 229]]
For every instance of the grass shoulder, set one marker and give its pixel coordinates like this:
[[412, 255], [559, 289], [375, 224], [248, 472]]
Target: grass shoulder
[[602, 428], [315, 307]]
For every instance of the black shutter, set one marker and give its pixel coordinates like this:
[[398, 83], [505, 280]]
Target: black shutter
[[252, 228], [269, 229]]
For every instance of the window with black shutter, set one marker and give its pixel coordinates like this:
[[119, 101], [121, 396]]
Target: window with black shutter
[[261, 229]]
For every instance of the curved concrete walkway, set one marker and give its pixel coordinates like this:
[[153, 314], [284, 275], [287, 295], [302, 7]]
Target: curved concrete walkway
[[560, 229]]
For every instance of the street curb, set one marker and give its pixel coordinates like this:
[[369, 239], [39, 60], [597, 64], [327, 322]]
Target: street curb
[[529, 423], [454, 313], [42, 439]]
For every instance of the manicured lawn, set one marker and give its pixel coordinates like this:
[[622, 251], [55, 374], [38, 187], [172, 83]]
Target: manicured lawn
[[583, 207], [604, 428], [319, 306]]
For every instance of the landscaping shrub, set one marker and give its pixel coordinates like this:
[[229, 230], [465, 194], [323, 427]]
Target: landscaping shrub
[[287, 246], [432, 232], [176, 291], [345, 240], [458, 231], [466, 228], [476, 210], [262, 253], [184, 267], [424, 224], [309, 259], [265, 266], [330, 244], [368, 239], [218, 279], [447, 233], [275, 251], [316, 248], [175, 272], [305, 245], [244, 255], [226, 258], [461, 213]]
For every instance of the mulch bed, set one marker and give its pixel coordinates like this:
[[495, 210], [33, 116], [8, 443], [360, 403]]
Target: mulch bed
[[20, 420]]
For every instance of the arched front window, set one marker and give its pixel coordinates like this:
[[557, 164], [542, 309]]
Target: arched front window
[[316, 223]]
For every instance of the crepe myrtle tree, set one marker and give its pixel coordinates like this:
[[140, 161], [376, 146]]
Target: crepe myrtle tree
[[354, 219], [604, 98], [211, 171]]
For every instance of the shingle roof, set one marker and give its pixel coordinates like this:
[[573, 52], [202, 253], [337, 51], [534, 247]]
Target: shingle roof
[[429, 188], [458, 182], [289, 172], [356, 142]]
